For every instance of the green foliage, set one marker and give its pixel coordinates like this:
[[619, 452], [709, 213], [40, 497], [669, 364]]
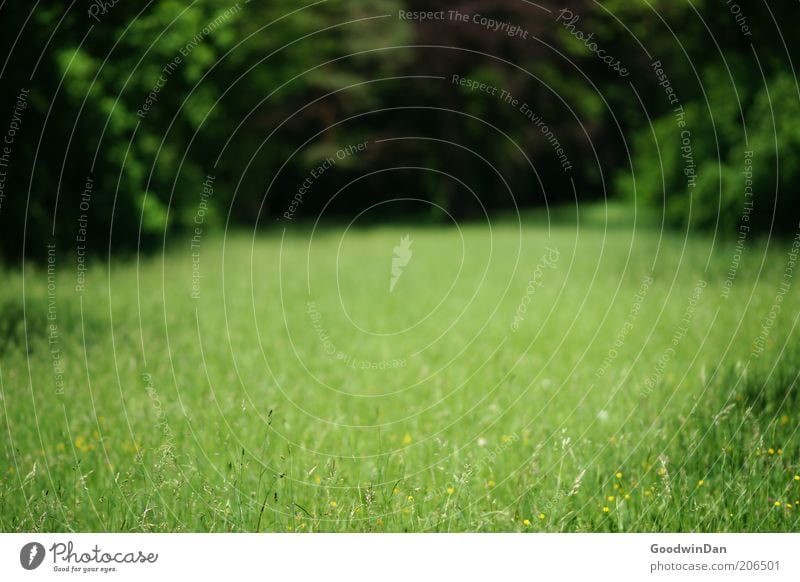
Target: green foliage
[[153, 98], [741, 110], [733, 161], [774, 137]]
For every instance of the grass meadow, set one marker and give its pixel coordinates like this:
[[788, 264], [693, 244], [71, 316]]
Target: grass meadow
[[538, 377]]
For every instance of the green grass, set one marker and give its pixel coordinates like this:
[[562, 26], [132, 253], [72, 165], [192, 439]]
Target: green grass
[[225, 413]]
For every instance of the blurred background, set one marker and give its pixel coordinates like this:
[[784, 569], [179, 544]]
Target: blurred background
[[116, 114]]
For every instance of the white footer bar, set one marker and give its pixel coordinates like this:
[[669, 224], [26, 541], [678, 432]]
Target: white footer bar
[[401, 557]]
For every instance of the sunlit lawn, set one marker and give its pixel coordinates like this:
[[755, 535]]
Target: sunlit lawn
[[298, 393]]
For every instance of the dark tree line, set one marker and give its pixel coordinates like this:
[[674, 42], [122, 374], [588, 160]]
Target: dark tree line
[[143, 102]]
